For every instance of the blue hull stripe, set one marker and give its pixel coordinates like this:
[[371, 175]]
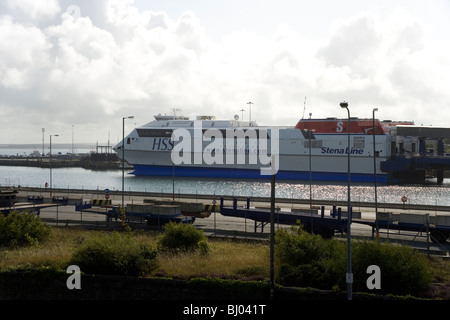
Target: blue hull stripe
[[211, 172]]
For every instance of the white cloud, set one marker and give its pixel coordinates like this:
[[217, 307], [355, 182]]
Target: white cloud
[[112, 59], [36, 9], [23, 51], [387, 62]]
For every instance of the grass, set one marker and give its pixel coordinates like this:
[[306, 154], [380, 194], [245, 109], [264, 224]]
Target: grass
[[226, 258]]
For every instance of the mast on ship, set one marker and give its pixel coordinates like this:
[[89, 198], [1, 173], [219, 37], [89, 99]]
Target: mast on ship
[[171, 117]]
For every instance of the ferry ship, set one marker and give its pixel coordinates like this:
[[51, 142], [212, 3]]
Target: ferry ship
[[315, 149]]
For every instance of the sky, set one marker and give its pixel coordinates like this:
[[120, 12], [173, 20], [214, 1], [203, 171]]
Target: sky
[[76, 68]]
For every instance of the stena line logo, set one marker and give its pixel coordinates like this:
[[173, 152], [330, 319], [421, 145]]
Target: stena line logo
[[238, 146], [327, 150]]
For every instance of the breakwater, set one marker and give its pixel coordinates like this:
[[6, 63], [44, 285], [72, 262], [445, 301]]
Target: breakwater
[[86, 162]]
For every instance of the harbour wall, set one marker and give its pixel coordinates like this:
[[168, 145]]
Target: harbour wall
[[65, 162]]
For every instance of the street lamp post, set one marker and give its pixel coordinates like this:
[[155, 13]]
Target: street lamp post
[[50, 164], [123, 156], [349, 275], [250, 112], [310, 133], [375, 171], [173, 181], [43, 148]]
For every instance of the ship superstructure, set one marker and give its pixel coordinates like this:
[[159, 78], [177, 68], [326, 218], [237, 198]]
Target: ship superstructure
[[312, 149]]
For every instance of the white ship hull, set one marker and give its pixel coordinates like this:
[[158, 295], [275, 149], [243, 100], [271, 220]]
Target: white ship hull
[[301, 155]]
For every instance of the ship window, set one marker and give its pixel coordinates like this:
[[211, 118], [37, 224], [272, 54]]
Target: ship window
[[314, 143], [128, 141], [166, 133]]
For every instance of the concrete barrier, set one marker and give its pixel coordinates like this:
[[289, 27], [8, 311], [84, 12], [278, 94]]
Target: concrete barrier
[[313, 211], [139, 207], [412, 218], [440, 220], [385, 216], [355, 214]]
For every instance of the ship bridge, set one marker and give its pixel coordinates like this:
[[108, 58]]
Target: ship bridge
[[412, 163]]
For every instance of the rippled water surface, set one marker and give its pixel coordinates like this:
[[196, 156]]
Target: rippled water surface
[[79, 178]]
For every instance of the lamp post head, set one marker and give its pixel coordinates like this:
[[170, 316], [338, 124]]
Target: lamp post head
[[375, 109], [344, 104]]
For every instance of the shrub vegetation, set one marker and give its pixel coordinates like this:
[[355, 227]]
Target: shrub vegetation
[[182, 237], [18, 229], [308, 260], [115, 254], [302, 259]]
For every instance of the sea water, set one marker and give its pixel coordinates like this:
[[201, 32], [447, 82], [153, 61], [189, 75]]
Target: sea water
[[79, 178]]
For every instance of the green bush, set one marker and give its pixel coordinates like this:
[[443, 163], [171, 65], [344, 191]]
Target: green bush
[[310, 261], [403, 269], [307, 260], [22, 229], [185, 237], [115, 254]]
